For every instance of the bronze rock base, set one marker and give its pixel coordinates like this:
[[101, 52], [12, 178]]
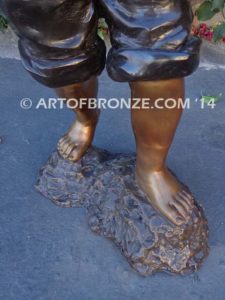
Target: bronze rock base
[[104, 184]]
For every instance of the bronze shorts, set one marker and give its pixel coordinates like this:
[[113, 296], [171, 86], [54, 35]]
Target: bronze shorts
[[59, 44]]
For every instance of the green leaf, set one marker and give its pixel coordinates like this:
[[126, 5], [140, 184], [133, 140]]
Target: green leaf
[[205, 11], [217, 5], [101, 34], [219, 32], [3, 23], [208, 99]]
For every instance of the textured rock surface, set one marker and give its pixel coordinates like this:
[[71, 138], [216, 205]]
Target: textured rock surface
[[104, 184]]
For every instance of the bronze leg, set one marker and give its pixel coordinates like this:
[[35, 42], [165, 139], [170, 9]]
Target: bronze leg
[[154, 130], [78, 139]]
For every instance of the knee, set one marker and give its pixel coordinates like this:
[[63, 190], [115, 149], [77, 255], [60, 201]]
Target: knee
[[25, 16]]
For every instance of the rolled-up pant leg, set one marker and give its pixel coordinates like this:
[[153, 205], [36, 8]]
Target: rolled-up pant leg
[[58, 39], [150, 39]]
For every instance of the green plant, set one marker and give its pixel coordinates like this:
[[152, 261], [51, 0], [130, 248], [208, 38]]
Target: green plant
[[3, 23], [102, 28], [207, 10]]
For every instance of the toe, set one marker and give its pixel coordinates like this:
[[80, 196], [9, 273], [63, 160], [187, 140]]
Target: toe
[[68, 150], [62, 141], [180, 209], [59, 145], [188, 194], [77, 153], [62, 146], [73, 154], [66, 147], [186, 205], [174, 216], [188, 198]]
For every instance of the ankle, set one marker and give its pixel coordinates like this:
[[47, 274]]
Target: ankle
[[90, 120], [143, 168]]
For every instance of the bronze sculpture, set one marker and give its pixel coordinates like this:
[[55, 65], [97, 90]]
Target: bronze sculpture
[[151, 49]]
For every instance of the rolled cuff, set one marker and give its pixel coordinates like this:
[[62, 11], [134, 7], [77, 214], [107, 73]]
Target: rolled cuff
[[56, 67], [128, 65]]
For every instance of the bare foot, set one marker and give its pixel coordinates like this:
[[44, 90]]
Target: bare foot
[[166, 195], [76, 142]]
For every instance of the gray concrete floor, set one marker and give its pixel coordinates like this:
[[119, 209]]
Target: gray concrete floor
[[48, 253]]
